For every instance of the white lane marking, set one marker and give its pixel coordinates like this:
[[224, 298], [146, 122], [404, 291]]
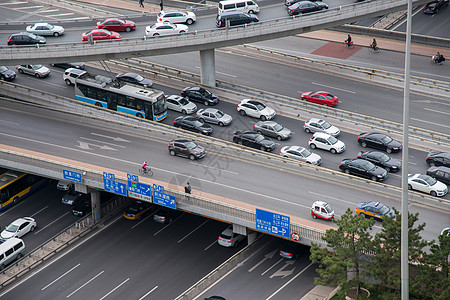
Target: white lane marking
[[58, 15], [197, 67], [148, 293], [49, 10], [332, 87], [334, 198], [39, 211], [49, 224], [214, 168], [8, 122], [30, 7], [401, 23], [14, 3], [210, 245], [151, 215], [292, 279], [117, 138], [412, 163], [192, 231], [60, 277], [123, 282], [266, 257], [86, 283], [84, 138], [437, 111], [432, 123], [281, 259], [167, 225], [11, 208]]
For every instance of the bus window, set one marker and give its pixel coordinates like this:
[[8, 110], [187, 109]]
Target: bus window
[[101, 95], [112, 101]]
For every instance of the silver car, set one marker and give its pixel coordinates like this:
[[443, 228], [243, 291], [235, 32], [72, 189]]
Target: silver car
[[229, 239], [181, 104], [46, 29], [35, 70], [319, 125], [214, 116], [302, 154], [273, 129]]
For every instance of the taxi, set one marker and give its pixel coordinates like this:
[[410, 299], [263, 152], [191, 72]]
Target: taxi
[[322, 210], [136, 209], [374, 210]]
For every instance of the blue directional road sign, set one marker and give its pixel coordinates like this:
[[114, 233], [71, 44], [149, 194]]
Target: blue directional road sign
[[273, 223], [137, 189], [161, 198], [113, 186], [72, 176]]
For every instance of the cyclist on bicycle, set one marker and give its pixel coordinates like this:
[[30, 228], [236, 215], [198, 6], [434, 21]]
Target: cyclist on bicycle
[[349, 40], [144, 166], [374, 44]]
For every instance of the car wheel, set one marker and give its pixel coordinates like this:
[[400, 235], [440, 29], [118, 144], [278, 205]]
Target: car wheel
[[221, 124], [192, 157], [37, 75], [2, 267], [240, 142], [279, 138], [172, 152], [206, 103], [332, 150], [242, 112], [409, 187], [262, 148], [432, 164], [68, 82], [184, 112], [32, 228], [433, 193], [201, 120], [139, 115], [19, 256], [189, 21], [324, 104], [156, 34], [182, 31], [127, 29], [313, 146], [16, 200], [363, 144], [55, 34], [20, 71], [251, 12], [347, 171], [307, 130], [389, 150], [98, 104], [263, 118], [374, 178], [314, 216]]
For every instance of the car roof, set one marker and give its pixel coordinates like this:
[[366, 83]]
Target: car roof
[[270, 123], [20, 221], [250, 101], [75, 70], [181, 140], [40, 24], [227, 231], [166, 11], [316, 120], [129, 74], [321, 134], [319, 202], [439, 154], [298, 148]]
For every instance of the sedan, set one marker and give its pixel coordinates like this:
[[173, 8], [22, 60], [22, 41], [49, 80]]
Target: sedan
[[255, 109], [374, 210], [193, 124], [82, 205], [214, 116], [272, 129], [438, 159], [35, 70], [302, 154], [136, 209], [163, 215], [180, 104], [427, 184], [18, 228], [290, 2], [115, 24], [254, 140], [7, 74], [434, 6], [165, 28], [100, 35], [319, 125], [76, 65], [291, 250], [134, 79], [320, 97], [186, 148], [199, 94], [304, 7], [177, 16], [363, 168], [326, 142], [25, 38], [381, 159], [46, 29], [229, 239], [379, 141]]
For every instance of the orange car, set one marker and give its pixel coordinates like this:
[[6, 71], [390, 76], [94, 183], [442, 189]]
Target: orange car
[[136, 209]]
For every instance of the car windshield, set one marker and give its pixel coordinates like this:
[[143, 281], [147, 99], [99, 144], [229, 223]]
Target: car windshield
[[328, 208], [134, 209], [11, 228], [325, 124], [219, 114], [386, 139], [121, 21], [139, 78], [35, 67], [259, 138], [3, 69], [305, 152], [160, 105], [191, 145], [367, 165], [205, 93], [430, 180], [332, 140], [107, 32], [278, 127], [33, 36], [184, 101], [198, 123], [384, 157], [384, 209], [50, 26], [260, 106]]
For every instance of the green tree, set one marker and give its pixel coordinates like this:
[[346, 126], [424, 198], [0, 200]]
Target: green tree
[[348, 244]]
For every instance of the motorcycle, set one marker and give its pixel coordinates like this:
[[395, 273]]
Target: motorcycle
[[434, 60]]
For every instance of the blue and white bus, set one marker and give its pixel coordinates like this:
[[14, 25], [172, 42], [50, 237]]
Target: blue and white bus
[[131, 99]]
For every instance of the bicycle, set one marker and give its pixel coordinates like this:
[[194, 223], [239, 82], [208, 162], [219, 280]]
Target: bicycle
[[147, 171], [375, 49], [348, 45]]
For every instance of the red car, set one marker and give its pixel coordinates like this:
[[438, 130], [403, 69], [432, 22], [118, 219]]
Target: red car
[[115, 24], [320, 97], [100, 35]]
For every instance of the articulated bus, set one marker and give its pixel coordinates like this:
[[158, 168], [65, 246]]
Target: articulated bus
[[102, 91], [14, 186]]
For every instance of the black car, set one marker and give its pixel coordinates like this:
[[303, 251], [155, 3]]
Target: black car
[[76, 65], [199, 94], [304, 7], [438, 159], [134, 79], [82, 205], [381, 159], [441, 174], [293, 250], [164, 215], [363, 168], [25, 38], [186, 148], [254, 140], [235, 18], [435, 6], [379, 141], [193, 124], [7, 74], [291, 2]]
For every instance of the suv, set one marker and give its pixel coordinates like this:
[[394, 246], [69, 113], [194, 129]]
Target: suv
[[326, 142], [70, 74], [177, 16], [186, 148], [235, 18], [25, 38], [82, 205]]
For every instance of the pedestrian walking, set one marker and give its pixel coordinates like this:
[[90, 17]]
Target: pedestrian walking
[[187, 188], [161, 4], [141, 3]]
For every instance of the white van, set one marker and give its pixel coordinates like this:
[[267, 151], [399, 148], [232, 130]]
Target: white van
[[10, 250], [246, 6]]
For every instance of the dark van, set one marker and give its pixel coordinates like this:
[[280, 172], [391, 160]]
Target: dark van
[[441, 174], [235, 18]]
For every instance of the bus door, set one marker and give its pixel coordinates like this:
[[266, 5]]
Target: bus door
[[112, 101], [148, 109]]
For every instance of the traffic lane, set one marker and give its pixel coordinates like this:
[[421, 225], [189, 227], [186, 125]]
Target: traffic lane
[[266, 274], [135, 256]]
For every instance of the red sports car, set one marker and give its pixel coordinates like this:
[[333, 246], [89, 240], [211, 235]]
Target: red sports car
[[115, 24], [320, 97], [100, 35]]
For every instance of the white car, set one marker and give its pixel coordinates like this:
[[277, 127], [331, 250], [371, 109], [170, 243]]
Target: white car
[[165, 28], [18, 228], [229, 239], [38, 71], [181, 104], [46, 29], [177, 16], [71, 74], [427, 184], [64, 185], [319, 125], [214, 116], [255, 109], [302, 154], [327, 142]]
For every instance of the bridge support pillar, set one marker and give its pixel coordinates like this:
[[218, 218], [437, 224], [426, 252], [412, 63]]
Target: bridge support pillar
[[96, 205], [251, 237], [208, 67]]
